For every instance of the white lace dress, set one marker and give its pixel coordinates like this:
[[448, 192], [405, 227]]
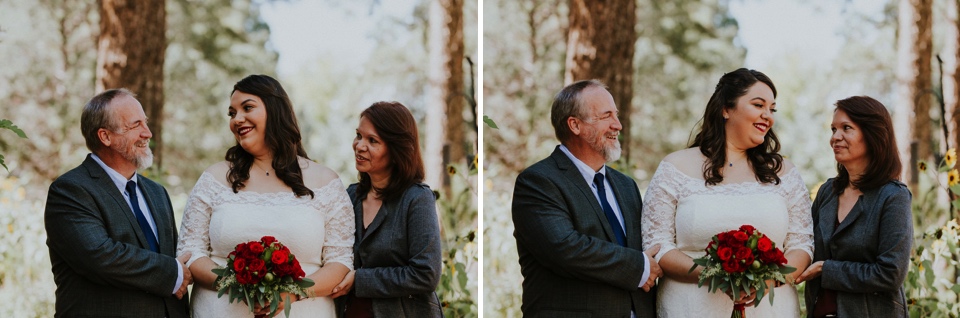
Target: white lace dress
[[317, 231], [681, 212]]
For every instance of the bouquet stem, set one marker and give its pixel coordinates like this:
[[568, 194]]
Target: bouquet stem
[[738, 311]]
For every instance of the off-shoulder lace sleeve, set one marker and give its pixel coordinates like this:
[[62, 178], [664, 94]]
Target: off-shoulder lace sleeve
[[195, 228], [660, 210], [800, 229], [339, 226]]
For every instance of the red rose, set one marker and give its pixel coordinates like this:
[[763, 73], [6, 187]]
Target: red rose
[[285, 269], [255, 247], [280, 256], [731, 266], [244, 278], [764, 244], [241, 248], [748, 229], [740, 236], [781, 260], [259, 266], [296, 264], [710, 246], [743, 253], [772, 256], [239, 264], [724, 238], [267, 240], [724, 253]]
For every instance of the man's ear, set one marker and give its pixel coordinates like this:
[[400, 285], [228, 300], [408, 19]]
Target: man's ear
[[104, 137], [574, 124]]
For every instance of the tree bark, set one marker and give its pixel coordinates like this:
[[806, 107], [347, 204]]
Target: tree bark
[[130, 54], [600, 45], [446, 141], [912, 115], [951, 89]]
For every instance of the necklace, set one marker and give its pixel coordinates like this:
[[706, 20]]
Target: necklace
[[258, 167], [730, 163]]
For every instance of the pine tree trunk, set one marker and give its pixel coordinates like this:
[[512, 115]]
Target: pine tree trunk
[[600, 45], [454, 90], [952, 79], [445, 136], [912, 113], [130, 53]]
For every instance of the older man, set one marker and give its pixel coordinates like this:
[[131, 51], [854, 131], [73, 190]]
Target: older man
[[111, 231], [578, 221]]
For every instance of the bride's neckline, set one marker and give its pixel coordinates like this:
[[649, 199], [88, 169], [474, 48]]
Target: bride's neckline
[[749, 182], [226, 187]]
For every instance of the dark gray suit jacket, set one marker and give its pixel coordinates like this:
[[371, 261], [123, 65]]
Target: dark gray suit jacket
[[398, 259], [571, 263], [867, 257], [102, 264]]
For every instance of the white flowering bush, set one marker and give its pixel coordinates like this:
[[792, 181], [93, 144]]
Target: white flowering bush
[[26, 281]]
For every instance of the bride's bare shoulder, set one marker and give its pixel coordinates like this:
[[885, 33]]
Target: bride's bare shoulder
[[219, 171], [786, 167], [689, 161], [316, 175]]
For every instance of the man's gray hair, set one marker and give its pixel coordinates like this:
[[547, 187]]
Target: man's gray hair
[[96, 115], [568, 104]]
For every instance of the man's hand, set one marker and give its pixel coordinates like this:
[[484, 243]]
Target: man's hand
[[187, 277], [344, 287], [655, 271]]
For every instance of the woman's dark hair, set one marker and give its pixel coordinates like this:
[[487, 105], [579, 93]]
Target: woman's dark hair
[[282, 136], [712, 138], [877, 128], [396, 127]]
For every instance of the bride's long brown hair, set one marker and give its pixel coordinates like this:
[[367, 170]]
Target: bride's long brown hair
[[282, 135], [712, 138]]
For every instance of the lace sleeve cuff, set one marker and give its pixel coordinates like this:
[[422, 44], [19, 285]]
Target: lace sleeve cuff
[[338, 254]]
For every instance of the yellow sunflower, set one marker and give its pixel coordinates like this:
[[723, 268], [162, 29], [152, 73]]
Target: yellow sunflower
[[953, 177], [951, 157], [922, 166]]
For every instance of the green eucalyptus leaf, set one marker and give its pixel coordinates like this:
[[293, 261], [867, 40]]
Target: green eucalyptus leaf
[[6, 123]]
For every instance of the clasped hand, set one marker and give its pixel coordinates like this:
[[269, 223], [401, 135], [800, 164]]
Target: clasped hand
[[655, 271], [187, 277]]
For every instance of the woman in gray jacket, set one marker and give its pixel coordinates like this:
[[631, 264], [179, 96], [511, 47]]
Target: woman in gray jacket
[[862, 220], [397, 246]]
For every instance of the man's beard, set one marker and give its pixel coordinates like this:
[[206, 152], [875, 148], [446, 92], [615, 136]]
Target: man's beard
[[598, 143], [128, 150]]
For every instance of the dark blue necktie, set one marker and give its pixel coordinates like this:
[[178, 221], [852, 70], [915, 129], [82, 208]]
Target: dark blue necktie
[[611, 217], [141, 218]]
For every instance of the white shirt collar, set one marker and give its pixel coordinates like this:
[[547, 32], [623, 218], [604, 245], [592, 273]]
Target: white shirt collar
[[585, 170], [117, 178]]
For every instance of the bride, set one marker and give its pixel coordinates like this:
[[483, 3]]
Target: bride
[[731, 175], [267, 186]]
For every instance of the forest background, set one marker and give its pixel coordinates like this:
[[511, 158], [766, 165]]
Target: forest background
[[661, 61], [182, 59]]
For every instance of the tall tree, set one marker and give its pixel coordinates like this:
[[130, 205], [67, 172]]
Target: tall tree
[[130, 54], [446, 92], [951, 76], [600, 45], [915, 47]]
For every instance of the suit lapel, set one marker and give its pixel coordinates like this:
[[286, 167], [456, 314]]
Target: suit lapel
[[626, 207], [855, 212], [153, 198], [377, 220], [588, 200], [827, 221], [103, 181]]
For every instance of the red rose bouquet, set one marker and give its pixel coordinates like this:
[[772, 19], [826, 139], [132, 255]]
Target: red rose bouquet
[[740, 260], [258, 271]]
